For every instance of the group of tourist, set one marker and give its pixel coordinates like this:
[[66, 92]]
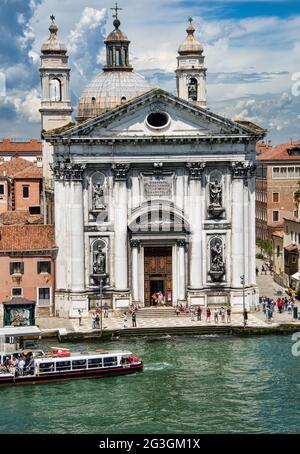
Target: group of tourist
[[265, 268], [133, 319], [281, 305], [219, 314], [158, 299], [96, 315], [19, 365]]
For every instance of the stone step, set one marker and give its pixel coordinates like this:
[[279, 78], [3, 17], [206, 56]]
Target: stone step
[[174, 331]]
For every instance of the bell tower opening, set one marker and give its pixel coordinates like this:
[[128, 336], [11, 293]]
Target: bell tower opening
[[193, 89]]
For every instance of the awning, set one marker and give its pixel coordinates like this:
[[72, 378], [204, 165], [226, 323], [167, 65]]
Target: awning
[[296, 276], [19, 301], [20, 331]]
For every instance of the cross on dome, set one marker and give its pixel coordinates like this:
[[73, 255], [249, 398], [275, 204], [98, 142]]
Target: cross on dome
[[52, 17], [116, 9]]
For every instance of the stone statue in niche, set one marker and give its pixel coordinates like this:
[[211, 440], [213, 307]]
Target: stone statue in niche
[[192, 92], [215, 193], [99, 263], [98, 196], [217, 266], [217, 255]]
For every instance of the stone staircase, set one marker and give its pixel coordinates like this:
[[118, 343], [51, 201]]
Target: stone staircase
[[158, 312]]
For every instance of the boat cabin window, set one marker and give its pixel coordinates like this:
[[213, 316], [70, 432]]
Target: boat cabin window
[[79, 364], [110, 361], [95, 362], [63, 365], [46, 367]]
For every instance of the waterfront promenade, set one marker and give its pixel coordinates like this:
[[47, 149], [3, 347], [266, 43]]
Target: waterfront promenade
[[115, 323]]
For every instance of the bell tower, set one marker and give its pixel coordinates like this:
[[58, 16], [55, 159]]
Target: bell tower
[[56, 108], [191, 72]]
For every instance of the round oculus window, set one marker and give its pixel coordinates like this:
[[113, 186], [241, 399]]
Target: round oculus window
[[158, 120]]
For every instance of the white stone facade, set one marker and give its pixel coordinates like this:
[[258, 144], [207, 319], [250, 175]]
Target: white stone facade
[[126, 188]]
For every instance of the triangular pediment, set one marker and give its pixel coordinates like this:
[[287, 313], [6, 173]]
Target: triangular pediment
[[139, 118]]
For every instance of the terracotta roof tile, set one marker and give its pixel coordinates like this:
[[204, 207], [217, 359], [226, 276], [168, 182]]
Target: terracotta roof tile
[[283, 152], [291, 247], [20, 168], [20, 218], [26, 237], [30, 173], [278, 233], [34, 145]]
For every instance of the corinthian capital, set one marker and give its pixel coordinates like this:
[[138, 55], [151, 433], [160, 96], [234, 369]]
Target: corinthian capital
[[120, 171], [67, 170], [195, 169]]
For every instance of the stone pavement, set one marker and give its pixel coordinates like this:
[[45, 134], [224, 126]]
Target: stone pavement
[[266, 284], [267, 287], [116, 323]]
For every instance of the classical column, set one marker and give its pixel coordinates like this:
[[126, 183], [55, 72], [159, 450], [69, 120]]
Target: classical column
[[135, 244], [196, 224], [120, 201], [60, 234], [69, 225], [252, 235], [181, 270], [239, 173]]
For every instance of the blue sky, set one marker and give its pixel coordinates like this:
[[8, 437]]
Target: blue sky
[[252, 51]]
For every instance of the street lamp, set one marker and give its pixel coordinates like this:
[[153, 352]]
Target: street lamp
[[243, 282], [103, 278]]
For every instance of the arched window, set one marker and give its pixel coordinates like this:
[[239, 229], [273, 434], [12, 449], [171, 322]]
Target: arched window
[[55, 90], [193, 89], [118, 57]]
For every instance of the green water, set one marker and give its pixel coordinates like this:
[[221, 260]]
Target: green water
[[202, 384]]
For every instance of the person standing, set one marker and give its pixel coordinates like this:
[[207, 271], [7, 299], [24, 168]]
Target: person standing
[[105, 307], [216, 315], [228, 314], [133, 318], [93, 320], [97, 321], [80, 317], [199, 313], [208, 313], [246, 316], [222, 314], [125, 320]]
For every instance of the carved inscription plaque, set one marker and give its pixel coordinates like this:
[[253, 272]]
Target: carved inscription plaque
[[158, 187]]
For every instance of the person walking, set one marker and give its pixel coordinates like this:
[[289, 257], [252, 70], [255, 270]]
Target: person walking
[[133, 318]]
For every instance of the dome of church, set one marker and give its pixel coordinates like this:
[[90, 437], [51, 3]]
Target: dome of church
[[53, 45], [117, 83], [110, 89], [190, 45]]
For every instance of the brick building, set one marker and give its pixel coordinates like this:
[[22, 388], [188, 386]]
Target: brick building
[[278, 174], [286, 257], [27, 264], [21, 183]]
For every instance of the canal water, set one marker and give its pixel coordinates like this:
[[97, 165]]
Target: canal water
[[200, 384]]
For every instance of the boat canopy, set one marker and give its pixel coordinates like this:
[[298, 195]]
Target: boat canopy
[[20, 331]]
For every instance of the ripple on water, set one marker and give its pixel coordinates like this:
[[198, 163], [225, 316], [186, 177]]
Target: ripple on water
[[196, 384]]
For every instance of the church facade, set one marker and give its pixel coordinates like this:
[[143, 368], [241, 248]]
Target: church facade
[[153, 192]]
